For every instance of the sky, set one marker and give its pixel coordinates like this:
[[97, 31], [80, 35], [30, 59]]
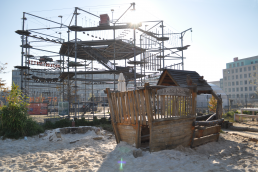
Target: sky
[[222, 29]]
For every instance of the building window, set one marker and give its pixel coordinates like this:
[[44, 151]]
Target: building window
[[244, 68], [250, 88], [229, 96], [237, 89], [242, 95], [254, 67], [228, 71], [237, 64], [246, 95], [236, 82], [252, 62], [255, 87], [249, 68], [233, 83], [229, 83], [250, 75], [254, 81], [245, 88], [240, 70], [230, 66], [241, 89], [237, 95], [225, 78], [250, 81], [226, 89], [245, 75], [229, 89], [242, 63], [234, 65], [240, 76], [245, 82], [228, 77], [232, 71], [241, 82], [233, 89], [236, 76], [254, 74], [236, 70], [233, 77]]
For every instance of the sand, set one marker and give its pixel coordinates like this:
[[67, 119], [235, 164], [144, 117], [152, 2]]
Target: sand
[[80, 152]]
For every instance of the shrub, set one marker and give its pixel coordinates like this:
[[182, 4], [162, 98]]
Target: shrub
[[103, 122], [33, 128], [48, 125], [247, 112], [236, 111], [229, 116], [63, 123], [14, 118]]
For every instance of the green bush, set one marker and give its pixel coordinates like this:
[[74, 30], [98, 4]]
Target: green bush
[[107, 127], [33, 128], [229, 116], [14, 119], [48, 125], [78, 122], [236, 111], [247, 112], [63, 123]]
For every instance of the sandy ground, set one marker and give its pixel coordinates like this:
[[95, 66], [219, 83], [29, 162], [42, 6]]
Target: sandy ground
[[246, 123], [80, 152]]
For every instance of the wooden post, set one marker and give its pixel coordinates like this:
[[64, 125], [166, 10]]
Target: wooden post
[[149, 111], [123, 106], [219, 105], [194, 95], [112, 116]]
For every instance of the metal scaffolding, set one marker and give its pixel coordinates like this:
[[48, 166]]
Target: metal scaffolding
[[112, 47]]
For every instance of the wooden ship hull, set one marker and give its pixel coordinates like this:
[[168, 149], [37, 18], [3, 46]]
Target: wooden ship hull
[[161, 117]]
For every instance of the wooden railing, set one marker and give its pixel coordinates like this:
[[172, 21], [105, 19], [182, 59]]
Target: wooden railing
[[128, 107]]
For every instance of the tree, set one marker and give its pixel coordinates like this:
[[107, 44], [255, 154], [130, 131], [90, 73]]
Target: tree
[[212, 104], [2, 67], [3, 88], [92, 97]]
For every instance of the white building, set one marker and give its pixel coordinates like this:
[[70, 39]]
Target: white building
[[239, 80]]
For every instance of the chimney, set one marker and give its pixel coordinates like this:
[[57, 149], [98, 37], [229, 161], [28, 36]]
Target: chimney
[[235, 59]]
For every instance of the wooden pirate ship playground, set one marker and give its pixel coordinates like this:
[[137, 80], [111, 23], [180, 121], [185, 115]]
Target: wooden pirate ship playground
[[163, 116]]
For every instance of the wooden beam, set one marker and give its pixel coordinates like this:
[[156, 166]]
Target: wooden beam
[[149, 111], [208, 123], [207, 131], [112, 116], [205, 139], [204, 117]]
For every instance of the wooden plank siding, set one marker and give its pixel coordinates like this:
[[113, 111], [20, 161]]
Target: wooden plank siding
[[169, 134], [127, 133], [207, 131], [205, 139]]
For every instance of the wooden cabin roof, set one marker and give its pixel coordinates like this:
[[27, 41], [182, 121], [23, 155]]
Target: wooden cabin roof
[[171, 77]]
